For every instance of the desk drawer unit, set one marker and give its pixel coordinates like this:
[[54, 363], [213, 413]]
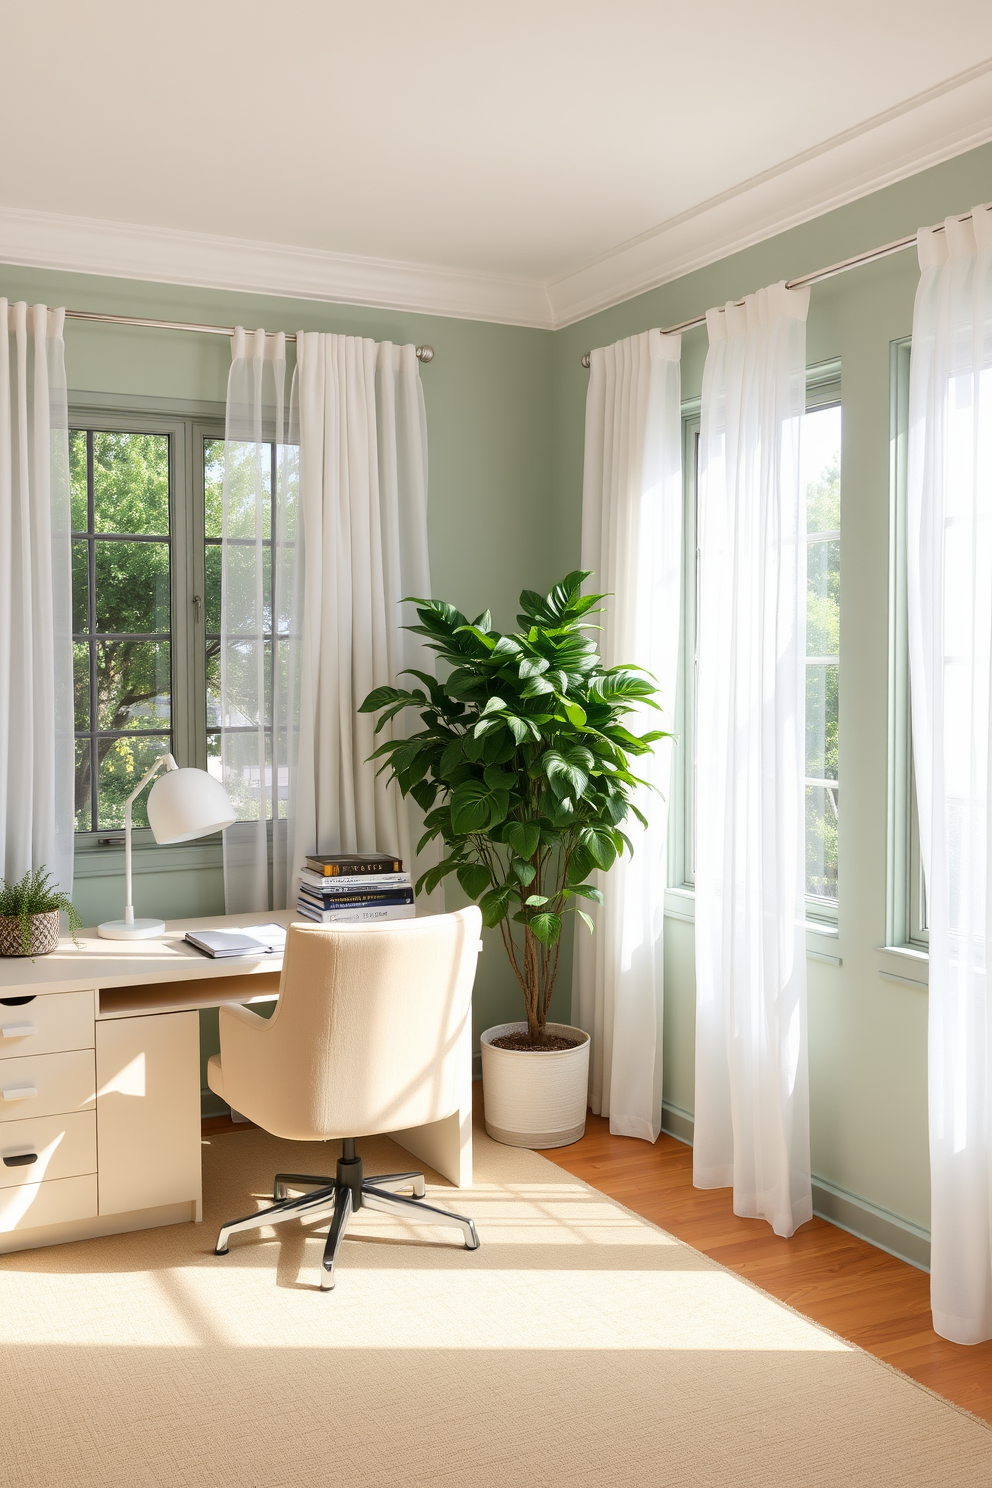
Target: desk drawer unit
[[41, 1148], [47, 1025], [47, 1085], [31, 1206]]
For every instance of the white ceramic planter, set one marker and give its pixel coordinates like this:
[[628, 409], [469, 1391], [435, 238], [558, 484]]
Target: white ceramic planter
[[535, 1097]]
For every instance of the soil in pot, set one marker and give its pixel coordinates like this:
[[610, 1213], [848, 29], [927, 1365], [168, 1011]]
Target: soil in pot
[[522, 1043]]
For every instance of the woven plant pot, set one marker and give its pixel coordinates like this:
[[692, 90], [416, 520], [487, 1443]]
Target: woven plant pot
[[45, 933], [535, 1097]]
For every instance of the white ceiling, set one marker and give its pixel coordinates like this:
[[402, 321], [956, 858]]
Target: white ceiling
[[530, 160]]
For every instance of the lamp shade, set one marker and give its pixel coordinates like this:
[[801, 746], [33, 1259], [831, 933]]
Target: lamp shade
[[188, 803]]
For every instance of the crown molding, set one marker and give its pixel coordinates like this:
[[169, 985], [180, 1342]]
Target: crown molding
[[924, 131], [121, 250], [930, 128]]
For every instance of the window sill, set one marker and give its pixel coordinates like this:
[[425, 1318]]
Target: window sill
[[910, 966], [92, 861], [680, 904]]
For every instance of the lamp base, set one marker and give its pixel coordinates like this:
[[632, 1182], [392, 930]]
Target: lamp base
[[138, 930]]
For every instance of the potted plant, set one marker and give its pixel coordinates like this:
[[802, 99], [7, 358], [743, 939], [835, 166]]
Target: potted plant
[[522, 769], [29, 915]]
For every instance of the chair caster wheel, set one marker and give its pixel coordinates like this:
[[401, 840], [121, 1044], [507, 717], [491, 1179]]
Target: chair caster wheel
[[221, 1252]]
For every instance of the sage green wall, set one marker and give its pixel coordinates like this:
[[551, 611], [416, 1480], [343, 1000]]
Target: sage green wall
[[867, 1036], [488, 397]]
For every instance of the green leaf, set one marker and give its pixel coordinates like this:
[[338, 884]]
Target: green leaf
[[475, 806], [494, 705], [600, 846], [576, 714], [425, 793], [546, 927], [525, 872], [567, 770], [586, 919], [534, 687], [533, 666], [381, 697], [536, 899], [586, 890], [494, 905], [474, 879], [523, 837]]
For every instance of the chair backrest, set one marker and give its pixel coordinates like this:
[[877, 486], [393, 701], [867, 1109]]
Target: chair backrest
[[371, 1028]]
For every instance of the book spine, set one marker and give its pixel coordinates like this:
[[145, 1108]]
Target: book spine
[[346, 901], [367, 915], [354, 866], [350, 885]]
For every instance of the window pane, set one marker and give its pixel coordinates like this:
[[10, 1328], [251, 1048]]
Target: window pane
[[820, 473], [80, 592], [213, 683], [822, 687], [821, 469], [83, 810], [132, 587], [212, 566], [821, 841], [131, 483], [823, 598], [77, 478], [249, 473], [81, 683], [133, 685], [122, 764], [213, 487]]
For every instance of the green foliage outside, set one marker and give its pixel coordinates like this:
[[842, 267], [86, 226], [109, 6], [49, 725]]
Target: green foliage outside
[[133, 687], [522, 768], [822, 682], [35, 894]]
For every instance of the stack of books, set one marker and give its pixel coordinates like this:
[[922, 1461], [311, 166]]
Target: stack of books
[[356, 888]]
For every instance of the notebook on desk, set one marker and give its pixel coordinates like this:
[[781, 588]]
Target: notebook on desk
[[252, 940]]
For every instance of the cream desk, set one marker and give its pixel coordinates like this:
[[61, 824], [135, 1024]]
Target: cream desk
[[100, 1083]]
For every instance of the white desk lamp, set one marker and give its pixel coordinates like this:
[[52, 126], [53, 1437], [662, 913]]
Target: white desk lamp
[[182, 804]]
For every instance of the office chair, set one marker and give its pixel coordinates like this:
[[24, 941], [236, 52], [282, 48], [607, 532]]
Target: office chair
[[365, 1038]]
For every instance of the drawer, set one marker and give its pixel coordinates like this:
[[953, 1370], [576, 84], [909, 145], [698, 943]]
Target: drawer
[[47, 1024], [49, 1203], [47, 1085], [62, 1147]]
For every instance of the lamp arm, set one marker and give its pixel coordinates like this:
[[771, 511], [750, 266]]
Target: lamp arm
[[170, 764]]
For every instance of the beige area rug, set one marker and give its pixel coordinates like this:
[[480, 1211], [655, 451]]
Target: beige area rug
[[579, 1346]]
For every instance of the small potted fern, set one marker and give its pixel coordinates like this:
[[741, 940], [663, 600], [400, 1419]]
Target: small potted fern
[[30, 911]]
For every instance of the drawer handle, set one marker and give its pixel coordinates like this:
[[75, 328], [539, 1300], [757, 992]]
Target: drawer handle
[[19, 1092], [16, 1001], [21, 1160], [18, 1030]]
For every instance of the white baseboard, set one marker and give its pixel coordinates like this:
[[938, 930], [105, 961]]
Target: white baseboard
[[886, 1231]]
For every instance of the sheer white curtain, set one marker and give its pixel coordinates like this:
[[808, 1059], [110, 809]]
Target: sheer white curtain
[[363, 513], [256, 648], [36, 709], [949, 580], [631, 540], [752, 1103]]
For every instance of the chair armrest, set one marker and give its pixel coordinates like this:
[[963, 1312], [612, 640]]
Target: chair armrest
[[242, 1056]]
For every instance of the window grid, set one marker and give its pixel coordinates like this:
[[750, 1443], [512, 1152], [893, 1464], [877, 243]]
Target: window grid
[[93, 736], [213, 639]]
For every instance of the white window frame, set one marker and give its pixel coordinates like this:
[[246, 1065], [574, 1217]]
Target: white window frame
[[906, 921], [187, 423]]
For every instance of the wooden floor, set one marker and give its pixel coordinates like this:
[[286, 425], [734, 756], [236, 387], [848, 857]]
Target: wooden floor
[[865, 1295]]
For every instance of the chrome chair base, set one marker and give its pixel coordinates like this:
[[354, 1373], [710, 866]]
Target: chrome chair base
[[339, 1197]]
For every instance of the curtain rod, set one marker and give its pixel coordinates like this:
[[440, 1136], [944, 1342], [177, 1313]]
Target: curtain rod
[[424, 353], [815, 278]]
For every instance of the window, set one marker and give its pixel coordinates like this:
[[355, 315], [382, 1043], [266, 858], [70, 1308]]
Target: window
[[247, 791], [906, 917], [820, 476], [139, 649], [122, 617]]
